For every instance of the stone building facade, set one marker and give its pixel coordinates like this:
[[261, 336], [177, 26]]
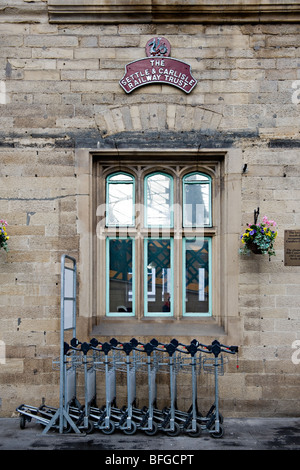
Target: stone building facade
[[67, 126]]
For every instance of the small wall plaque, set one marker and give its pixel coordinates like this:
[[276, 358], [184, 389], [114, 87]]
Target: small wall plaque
[[292, 247]]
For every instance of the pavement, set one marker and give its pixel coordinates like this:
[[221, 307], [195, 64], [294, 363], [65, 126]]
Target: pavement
[[244, 434]]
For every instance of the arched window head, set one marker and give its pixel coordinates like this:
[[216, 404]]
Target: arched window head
[[120, 199], [197, 200]]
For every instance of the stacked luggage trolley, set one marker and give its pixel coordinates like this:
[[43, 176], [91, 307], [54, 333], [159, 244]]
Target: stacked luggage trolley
[[98, 365]]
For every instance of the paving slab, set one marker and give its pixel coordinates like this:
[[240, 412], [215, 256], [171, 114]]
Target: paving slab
[[239, 434]]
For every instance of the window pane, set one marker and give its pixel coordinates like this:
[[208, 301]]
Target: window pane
[[197, 276], [196, 202], [158, 200], [120, 200], [158, 277], [120, 296], [121, 177], [197, 177]]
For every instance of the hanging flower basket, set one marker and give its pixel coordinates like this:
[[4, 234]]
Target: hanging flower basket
[[3, 235], [259, 238], [255, 248]]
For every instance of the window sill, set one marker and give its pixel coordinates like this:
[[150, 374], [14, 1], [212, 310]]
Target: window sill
[[165, 327]]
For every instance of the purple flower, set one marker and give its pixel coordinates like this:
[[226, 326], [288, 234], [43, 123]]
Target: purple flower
[[252, 232]]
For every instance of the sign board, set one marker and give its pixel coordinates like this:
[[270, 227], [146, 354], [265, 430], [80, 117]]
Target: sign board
[[292, 247], [158, 67], [69, 300], [68, 295]]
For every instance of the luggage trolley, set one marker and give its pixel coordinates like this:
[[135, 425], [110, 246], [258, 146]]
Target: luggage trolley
[[111, 417], [216, 367], [59, 418], [190, 421], [104, 419], [81, 414], [126, 422], [166, 419], [185, 421], [145, 417]]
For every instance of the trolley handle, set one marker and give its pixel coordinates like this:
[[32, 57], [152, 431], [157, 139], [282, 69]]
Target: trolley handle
[[114, 343], [173, 344], [229, 349], [104, 347], [216, 348], [84, 347], [194, 347], [74, 343], [127, 348], [117, 345], [147, 348], [187, 349], [201, 347], [94, 343], [156, 343], [135, 342], [152, 345], [170, 348]]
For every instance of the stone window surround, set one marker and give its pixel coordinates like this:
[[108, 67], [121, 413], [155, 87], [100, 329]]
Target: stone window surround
[[225, 320]]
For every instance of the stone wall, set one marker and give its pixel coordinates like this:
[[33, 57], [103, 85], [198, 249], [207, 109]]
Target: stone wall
[[60, 92]]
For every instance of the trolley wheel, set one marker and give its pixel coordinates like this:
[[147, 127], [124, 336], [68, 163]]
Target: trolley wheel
[[131, 430], [110, 429], [153, 431], [22, 422], [175, 432], [193, 433], [90, 427], [67, 429], [218, 434], [212, 416]]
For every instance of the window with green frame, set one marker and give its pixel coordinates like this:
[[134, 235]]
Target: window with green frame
[[168, 248]]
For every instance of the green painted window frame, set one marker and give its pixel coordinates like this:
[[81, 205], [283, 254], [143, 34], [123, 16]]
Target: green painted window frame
[[184, 183], [146, 178], [158, 314], [110, 182], [107, 297], [196, 314], [143, 270]]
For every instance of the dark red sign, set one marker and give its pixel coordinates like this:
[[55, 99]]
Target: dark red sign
[[158, 68]]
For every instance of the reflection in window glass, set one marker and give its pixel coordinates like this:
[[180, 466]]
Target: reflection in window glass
[[120, 285], [158, 281], [196, 201], [120, 200], [159, 200], [196, 296]]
